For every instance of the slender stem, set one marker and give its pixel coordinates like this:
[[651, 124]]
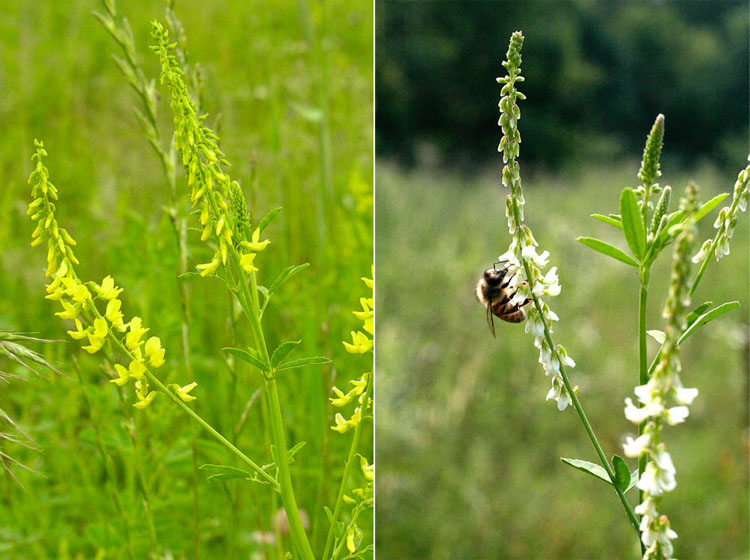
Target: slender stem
[[345, 476], [643, 369], [706, 260], [285, 479], [580, 411], [288, 498]]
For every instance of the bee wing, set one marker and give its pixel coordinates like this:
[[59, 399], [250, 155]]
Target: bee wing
[[490, 320]]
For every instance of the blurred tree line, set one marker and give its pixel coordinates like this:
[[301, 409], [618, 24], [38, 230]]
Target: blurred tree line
[[597, 73]]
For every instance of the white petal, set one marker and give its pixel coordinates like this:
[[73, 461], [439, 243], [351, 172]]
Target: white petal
[[685, 396], [676, 415]]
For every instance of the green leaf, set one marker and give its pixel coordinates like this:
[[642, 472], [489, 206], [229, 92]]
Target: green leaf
[[268, 218], [658, 336], [633, 480], [283, 351], [223, 472], [285, 275], [708, 206], [706, 317], [622, 473], [632, 225], [587, 467], [607, 249], [251, 357], [608, 220], [294, 450], [697, 312], [315, 360]]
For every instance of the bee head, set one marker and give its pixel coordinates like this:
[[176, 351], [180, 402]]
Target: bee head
[[494, 276]]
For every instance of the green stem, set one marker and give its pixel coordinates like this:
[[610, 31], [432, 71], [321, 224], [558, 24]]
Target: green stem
[[285, 479], [579, 409], [288, 498], [345, 476], [643, 369], [705, 262]]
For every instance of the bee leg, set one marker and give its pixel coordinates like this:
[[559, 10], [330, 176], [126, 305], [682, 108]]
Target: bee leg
[[508, 281], [527, 300], [490, 320]]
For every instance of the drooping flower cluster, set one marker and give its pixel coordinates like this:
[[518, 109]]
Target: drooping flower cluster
[[79, 300], [727, 219], [663, 400], [360, 345], [223, 208], [525, 265]]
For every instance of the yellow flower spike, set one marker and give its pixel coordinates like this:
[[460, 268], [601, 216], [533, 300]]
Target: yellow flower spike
[[368, 282], [182, 392], [137, 369], [341, 399], [79, 333], [108, 291], [80, 293], [219, 226], [70, 311], [122, 376], [349, 500], [136, 331], [154, 351], [369, 325], [209, 268], [342, 425], [360, 343], [367, 470], [246, 262], [143, 402]]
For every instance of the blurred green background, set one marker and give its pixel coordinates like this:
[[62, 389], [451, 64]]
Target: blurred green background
[[468, 450], [289, 86], [601, 69]]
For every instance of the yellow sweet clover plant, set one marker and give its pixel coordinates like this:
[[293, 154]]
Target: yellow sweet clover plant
[[81, 301]]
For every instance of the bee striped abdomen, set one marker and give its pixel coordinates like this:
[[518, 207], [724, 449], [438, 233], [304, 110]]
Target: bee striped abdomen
[[508, 312]]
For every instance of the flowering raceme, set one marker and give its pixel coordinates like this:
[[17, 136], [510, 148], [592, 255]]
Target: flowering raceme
[[79, 300], [223, 208], [663, 400], [361, 344], [525, 265]]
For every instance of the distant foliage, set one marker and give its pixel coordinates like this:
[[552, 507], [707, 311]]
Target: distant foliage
[[599, 59]]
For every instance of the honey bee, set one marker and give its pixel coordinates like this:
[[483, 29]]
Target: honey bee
[[494, 291]]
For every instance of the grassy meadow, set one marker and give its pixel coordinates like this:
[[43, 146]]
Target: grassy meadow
[[468, 449], [288, 87]]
